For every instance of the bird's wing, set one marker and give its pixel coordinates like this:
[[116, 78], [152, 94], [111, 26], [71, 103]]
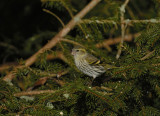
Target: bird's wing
[[91, 59], [95, 61]]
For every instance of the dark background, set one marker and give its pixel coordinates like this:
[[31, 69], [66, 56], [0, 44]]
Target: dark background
[[20, 20]]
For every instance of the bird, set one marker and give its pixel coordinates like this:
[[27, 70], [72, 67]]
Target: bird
[[87, 63]]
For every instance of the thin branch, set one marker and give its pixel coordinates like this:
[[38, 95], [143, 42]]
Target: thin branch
[[148, 55], [43, 80], [101, 97], [128, 21], [59, 82], [47, 11], [8, 46], [113, 41], [7, 66], [90, 21], [156, 64], [33, 92], [72, 42], [37, 92], [102, 88], [58, 55], [61, 34], [122, 11]]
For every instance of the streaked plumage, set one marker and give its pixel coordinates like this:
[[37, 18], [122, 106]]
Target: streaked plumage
[[87, 63]]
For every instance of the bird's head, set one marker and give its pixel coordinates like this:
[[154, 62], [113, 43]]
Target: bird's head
[[78, 51]]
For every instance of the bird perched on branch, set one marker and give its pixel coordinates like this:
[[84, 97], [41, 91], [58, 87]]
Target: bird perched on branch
[[87, 63]]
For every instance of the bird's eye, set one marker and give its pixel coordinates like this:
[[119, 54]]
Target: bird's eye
[[77, 50]]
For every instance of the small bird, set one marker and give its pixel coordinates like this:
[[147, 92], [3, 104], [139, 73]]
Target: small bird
[[87, 63]]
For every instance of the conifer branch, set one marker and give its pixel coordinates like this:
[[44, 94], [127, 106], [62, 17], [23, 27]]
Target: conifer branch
[[101, 97], [63, 32], [59, 54], [123, 27], [37, 92], [57, 38]]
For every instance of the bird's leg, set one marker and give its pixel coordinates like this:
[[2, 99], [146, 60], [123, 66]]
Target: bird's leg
[[90, 82], [93, 82]]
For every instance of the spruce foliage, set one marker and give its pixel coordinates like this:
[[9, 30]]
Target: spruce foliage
[[132, 88]]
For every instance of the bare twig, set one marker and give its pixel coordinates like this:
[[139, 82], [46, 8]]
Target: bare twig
[[43, 80], [113, 41], [31, 93], [122, 11], [148, 55], [70, 41], [34, 92], [102, 88], [6, 45], [128, 21], [156, 64], [58, 55], [7, 66], [59, 82], [60, 35], [98, 21], [45, 10]]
